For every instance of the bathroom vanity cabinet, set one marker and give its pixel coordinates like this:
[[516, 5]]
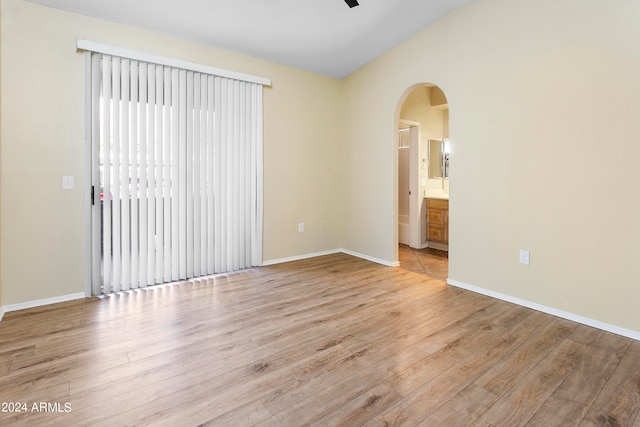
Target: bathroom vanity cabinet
[[438, 220]]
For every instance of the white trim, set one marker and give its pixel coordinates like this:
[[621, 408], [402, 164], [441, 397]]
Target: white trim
[[415, 198], [372, 259], [330, 252], [145, 57], [41, 302], [437, 245], [300, 257], [1, 313], [549, 310], [88, 261]]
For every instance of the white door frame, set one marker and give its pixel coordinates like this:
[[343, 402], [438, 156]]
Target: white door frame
[[414, 183]]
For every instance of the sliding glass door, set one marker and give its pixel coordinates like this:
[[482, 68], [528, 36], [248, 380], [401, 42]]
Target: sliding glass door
[[176, 171]]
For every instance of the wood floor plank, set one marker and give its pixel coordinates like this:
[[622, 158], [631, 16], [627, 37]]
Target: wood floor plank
[[46, 372], [280, 400], [362, 409], [420, 405], [517, 364], [248, 415], [325, 341], [206, 402], [328, 399], [434, 364], [524, 399], [471, 401], [464, 409], [619, 401], [570, 402]]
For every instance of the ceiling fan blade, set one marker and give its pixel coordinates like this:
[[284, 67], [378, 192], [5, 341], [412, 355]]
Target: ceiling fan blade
[[351, 3]]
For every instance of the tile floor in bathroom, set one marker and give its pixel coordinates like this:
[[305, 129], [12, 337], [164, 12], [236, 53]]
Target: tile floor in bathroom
[[432, 262]]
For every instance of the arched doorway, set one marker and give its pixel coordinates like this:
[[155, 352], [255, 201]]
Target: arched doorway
[[423, 180]]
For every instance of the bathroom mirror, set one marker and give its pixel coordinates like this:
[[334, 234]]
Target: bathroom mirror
[[438, 158]]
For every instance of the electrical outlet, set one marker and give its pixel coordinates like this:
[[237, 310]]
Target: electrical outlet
[[323, 225], [524, 257], [300, 227], [67, 182]]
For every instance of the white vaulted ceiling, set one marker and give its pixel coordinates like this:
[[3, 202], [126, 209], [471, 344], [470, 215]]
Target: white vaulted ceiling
[[323, 36]]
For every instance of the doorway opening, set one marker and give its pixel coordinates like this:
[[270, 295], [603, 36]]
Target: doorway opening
[[422, 141]]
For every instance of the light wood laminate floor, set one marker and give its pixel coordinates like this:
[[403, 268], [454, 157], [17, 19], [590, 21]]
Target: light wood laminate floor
[[329, 341]]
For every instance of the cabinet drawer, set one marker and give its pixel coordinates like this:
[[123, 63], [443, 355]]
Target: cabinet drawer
[[434, 233], [438, 220], [435, 217]]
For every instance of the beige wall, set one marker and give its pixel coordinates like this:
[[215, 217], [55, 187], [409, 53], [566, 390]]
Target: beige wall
[[43, 228], [523, 79]]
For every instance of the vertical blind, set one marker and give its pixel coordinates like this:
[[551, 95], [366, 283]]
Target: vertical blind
[[177, 160]]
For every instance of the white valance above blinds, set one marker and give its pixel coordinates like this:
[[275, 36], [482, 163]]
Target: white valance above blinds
[[90, 46]]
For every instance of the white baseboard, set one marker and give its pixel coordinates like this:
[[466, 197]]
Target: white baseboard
[[330, 252], [370, 258], [1, 313], [549, 310], [438, 246], [299, 257], [41, 302]]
